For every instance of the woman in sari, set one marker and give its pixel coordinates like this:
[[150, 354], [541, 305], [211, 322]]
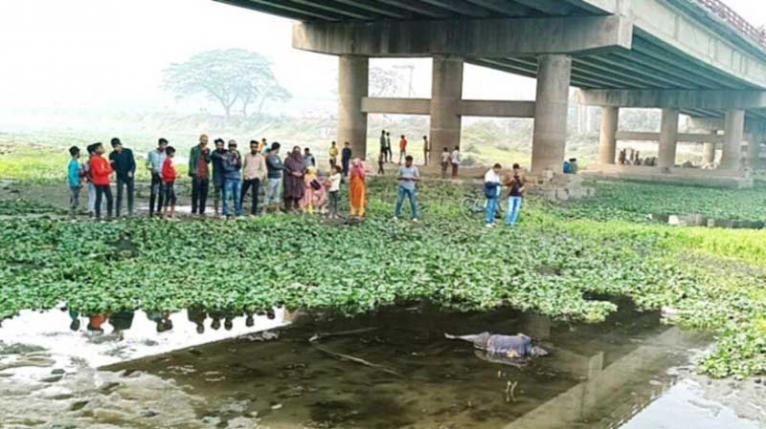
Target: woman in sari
[[357, 188], [294, 185]]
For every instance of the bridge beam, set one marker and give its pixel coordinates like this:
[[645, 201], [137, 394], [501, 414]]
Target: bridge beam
[[467, 38], [682, 138], [727, 99], [422, 106]]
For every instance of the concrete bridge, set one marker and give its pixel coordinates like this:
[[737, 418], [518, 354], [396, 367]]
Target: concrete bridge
[[695, 57]]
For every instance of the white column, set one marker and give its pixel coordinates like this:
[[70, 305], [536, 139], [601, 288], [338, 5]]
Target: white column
[[734, 126], [610, 118], [446, 95], [668, 139], [353, 81], [551, 111]]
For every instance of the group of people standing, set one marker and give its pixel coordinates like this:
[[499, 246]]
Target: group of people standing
[[294, 181], [493, 190], [448, 158], [231, 175], [96, 173]]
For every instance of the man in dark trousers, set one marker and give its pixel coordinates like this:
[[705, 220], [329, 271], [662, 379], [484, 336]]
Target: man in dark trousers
[[154, 161], [124, 165], [383, 147], [217, 157], [199, 171], [346, 158]]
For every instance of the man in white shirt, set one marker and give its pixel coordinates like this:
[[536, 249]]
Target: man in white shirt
[[455, 160], [492, 192], [253, 175]]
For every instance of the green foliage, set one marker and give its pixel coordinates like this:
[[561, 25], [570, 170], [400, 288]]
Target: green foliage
[[711, 279], [637, 202]]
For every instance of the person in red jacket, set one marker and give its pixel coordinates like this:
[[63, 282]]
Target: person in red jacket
[[169, 176], [101, 172]]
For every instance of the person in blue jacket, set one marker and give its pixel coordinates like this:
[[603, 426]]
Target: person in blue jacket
[[74, 179]]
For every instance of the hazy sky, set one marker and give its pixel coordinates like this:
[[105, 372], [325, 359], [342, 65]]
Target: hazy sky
[[95, 54]]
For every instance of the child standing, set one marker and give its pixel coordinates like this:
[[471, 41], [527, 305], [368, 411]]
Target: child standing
[[312, 184], [74, 176], [101, 171], [169, 176], [335, 178]]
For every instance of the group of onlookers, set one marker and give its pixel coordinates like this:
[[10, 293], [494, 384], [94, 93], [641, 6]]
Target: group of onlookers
[[294, 182], [448, 158]]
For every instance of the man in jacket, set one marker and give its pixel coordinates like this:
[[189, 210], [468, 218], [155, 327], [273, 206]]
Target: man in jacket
[[274, 168], [199, 171], [216, 158], [124, 165]]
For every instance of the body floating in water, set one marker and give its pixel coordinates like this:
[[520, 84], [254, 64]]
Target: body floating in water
[[508, 346]]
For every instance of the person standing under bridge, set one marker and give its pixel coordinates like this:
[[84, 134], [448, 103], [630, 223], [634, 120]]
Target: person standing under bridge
[[357, 189], [402, 149]]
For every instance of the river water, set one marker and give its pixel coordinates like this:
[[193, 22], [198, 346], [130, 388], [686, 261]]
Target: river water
[[393, 368]]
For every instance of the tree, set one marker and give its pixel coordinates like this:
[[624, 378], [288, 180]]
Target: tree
[[384, 82], [228, 76]]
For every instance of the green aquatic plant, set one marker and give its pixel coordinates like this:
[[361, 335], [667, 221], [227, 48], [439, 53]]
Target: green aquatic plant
[[560, 265]]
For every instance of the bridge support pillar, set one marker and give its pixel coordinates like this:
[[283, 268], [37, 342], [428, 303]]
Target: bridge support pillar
[[446, 97], [610, 118], [734, 129], [666, 158], [551, 111], [754, 152], [708, 153], [353, 78]]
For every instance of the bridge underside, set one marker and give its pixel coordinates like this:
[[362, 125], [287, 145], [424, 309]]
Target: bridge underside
[[595, 45], [377, 10]]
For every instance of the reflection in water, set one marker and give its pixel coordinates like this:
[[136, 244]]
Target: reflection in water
[[396, 369], [393, 368], [115, 337]]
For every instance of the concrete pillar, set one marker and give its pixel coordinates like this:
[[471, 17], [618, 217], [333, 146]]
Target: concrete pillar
[[708, 151], [754, 152], [353, 82], [446, 95], [668, 139], [551, 111], [734, 129], [610, 118]]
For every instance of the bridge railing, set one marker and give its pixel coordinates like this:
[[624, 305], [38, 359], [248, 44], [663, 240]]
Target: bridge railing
[[728, 15]]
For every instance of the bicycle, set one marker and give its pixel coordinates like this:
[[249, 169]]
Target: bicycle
[[476, 203]]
